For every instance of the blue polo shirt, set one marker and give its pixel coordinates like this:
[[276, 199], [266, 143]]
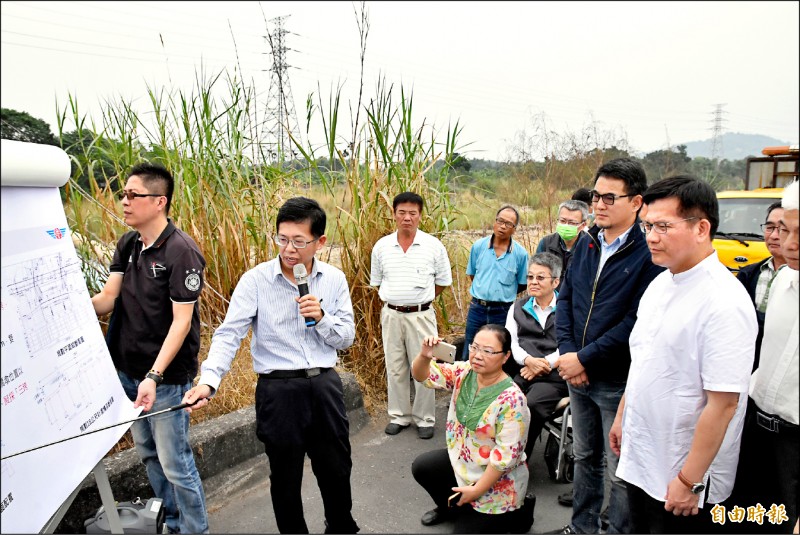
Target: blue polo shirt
[[497, 278]]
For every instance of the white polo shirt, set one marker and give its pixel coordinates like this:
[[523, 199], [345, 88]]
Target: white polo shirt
[[695, 332], [410, 277], [774, 386]]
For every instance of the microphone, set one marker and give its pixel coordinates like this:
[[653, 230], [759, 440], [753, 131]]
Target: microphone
[[301, 277]]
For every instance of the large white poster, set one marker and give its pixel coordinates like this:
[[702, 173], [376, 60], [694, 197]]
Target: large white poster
[[56, 376]]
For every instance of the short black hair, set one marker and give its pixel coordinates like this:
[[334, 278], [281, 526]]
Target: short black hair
[[300, 210], [502, 334], [696, 198], [583, 194], [408, 196], [156, 179], [509, 207], [773, 206], [629, 171]]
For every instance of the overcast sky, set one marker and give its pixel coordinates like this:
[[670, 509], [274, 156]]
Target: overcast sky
[[652, 71]]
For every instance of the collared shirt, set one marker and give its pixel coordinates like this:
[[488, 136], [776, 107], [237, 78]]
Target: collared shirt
[[496, 277], [775, 384], [695, 333], [540, 315], [170, 270], [607, 249], [409, 277], [265, 299], [765, 278]]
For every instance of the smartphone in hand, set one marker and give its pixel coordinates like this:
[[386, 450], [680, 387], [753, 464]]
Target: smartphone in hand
[[452, 501], [445, 352]]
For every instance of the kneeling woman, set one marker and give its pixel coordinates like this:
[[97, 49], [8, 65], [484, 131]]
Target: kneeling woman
[[487, 428]]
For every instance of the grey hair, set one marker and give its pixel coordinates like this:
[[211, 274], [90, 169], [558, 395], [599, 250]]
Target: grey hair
[[549, 260], [573, 206]]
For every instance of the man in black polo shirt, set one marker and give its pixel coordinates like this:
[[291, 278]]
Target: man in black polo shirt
[[155, 280]]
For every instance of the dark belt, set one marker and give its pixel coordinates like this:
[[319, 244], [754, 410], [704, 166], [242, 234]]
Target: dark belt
[[774, 423], [491, 303], [410, 308], [294, 374]]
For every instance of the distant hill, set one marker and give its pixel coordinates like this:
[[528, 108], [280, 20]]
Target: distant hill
[[735, 146]]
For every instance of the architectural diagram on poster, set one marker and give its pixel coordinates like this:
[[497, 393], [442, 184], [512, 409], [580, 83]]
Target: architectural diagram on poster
[[57, 379]]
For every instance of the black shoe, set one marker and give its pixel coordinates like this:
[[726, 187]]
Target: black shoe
[[435, 516], [393, 429], [425, 432], [565, 499], [566, 530]]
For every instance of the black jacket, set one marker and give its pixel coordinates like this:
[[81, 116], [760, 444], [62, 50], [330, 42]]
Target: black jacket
[[748, 276], [595, 318]]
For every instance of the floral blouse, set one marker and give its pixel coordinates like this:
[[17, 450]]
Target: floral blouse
[[499, 439]]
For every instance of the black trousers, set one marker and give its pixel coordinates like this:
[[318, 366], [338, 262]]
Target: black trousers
[[649, 516], [434, 472], [300, 416], [767, 473], [542, 396]]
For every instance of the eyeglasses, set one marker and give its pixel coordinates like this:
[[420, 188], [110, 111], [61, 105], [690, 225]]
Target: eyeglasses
[[504, 223], [539, 278], [608, 198], [132, 195], [661, 227], [562, 221], [482, 350], [768, 228], [297, 244]]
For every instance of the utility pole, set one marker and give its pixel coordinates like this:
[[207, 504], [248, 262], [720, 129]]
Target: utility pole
[[717, 151], [280, 118]]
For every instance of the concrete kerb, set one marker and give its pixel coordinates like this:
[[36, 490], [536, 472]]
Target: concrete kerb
[[219, 445]]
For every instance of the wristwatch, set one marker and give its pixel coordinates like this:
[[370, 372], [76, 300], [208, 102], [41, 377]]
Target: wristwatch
[[157, 378], [696, 488]]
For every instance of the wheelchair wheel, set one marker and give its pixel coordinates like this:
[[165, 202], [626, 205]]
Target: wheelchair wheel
[[567, 472], [551, 455]]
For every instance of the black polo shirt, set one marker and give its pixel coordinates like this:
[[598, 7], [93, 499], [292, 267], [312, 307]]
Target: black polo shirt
[[170, 270]]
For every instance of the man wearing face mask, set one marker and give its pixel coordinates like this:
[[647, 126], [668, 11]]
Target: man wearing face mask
[[572, 217]]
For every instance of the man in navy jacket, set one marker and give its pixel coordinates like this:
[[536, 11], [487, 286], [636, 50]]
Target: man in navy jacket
[[596, 313]]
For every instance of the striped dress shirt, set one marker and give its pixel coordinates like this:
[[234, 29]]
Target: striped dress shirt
[[265, 300], [409, 277]]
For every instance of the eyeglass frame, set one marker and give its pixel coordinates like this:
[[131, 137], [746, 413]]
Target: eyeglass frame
[[277, 240], [540, 278], [596, 196], [569, 222], [504, 223], [475, 349], [666, 225], [765, 226], [131, 195]]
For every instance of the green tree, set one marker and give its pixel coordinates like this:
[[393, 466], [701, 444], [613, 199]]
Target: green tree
[[21, 126], [663, 163]]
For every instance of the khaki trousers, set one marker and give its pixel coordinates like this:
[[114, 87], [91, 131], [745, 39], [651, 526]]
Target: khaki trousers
[[402, 339]]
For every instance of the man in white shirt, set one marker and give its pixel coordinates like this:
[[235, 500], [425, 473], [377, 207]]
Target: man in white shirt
[[768, 467], [678, 425], [411, 269]]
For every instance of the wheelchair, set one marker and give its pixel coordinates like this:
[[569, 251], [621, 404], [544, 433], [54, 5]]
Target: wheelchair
[[558, 454]]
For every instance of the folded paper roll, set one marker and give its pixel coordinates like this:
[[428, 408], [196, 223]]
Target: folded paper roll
[[32, 164]]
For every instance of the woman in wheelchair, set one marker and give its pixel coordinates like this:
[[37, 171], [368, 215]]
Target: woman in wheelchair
[[480, 479], [532, 324]]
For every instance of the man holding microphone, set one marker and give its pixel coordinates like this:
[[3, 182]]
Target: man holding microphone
[[299, 400]]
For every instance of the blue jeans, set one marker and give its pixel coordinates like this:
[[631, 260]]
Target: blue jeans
[[478, 316], [594, 407], [163, 445]]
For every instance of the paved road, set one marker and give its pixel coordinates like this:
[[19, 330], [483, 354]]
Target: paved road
[[386, 499]]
